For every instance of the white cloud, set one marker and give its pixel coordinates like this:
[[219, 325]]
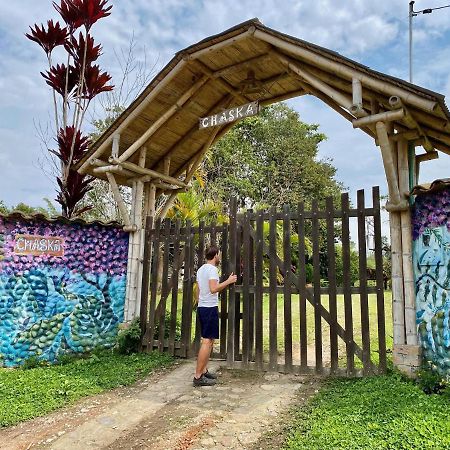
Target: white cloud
[[374, 33]]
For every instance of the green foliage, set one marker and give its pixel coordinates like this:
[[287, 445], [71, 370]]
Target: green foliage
[[384, 412], [195, 206], [430, 380], [49, 210], [270, 160], [30, 393], [129, 339], [31, 363], [167, 319], [309, 272], [354, 266]]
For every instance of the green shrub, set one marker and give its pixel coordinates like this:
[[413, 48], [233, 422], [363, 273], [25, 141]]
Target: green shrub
[[31, 363], [129, 339], [430, 381]]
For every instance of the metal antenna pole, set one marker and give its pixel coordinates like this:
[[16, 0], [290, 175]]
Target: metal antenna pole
[[411, 13]]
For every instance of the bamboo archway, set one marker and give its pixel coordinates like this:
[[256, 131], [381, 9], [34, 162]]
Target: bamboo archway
[[156, 145]]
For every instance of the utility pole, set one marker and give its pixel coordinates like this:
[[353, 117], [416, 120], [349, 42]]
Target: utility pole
[[412, 14]]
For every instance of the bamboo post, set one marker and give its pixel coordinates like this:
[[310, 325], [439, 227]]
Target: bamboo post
[[389, 166], [405, 220], [398, 301], [128, 296], [139, 244]]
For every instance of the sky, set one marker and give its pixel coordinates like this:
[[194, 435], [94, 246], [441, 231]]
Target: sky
[[374, 33]]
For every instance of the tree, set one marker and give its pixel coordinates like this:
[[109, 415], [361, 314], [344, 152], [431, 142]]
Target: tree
[[270, 160], [49, 210], [75, 83]]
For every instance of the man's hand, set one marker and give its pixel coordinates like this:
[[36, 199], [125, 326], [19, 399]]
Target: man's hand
[[232, 278]]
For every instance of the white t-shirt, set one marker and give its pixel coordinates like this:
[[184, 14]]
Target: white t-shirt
[[204, 274]]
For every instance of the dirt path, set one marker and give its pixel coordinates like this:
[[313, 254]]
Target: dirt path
[[165, 412]]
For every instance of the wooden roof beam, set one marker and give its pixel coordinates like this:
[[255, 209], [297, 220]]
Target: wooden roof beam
[[227, 86], [144, 171], [119, 200], [135, 113], [172, 150], [163, 119], [338, 68], [387, 116], [221, 131], [339, 98], [396, 102], [217, 46], [239, 65]]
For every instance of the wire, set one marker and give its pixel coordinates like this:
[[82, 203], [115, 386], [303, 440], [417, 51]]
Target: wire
[[429, 10]]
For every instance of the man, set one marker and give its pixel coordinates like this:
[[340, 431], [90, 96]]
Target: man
[[208, 313]]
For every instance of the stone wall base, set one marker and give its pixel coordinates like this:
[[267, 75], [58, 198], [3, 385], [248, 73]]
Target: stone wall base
[[407, 358]]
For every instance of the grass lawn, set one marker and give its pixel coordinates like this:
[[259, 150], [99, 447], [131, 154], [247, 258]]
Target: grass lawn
[[25, 394], [386, 412]]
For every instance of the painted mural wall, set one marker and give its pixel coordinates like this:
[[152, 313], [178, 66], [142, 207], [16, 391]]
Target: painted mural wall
[[431, 234], [62, 287]]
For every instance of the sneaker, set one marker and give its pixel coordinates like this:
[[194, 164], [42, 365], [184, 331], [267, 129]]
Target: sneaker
[[203, 381], [211, 376]]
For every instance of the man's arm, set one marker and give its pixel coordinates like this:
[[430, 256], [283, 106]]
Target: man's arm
[[215, 286]]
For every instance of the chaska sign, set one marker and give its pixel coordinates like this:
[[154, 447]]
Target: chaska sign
[[230, 115], [26, 244]]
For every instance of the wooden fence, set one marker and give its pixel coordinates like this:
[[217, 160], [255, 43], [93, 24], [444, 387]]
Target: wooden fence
[[278, 316]]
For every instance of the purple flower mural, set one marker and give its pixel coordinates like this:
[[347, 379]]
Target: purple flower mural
[[431, 234], [50, 304]]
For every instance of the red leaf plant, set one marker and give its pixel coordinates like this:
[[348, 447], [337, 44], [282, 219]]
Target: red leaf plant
[[50, 38], [57, 78], [72, 189], [82, 12], [95, 82], [76, 49], [65, 138], [77, 81]]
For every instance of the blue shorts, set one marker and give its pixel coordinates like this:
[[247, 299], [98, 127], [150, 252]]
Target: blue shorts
[[209, 321]]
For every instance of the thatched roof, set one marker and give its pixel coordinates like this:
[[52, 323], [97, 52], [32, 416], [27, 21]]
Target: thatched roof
[[208, 77]]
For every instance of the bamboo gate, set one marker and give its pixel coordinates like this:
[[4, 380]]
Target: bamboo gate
[[272, 319]]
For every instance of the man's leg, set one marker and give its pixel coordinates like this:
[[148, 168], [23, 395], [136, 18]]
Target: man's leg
[[203, 356]]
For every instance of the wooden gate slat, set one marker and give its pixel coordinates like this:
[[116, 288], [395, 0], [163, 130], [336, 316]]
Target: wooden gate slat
[[153, 287], [237, 295], [251, 297], [273, 350], [232, 297], [164, 285], [325, 314], [316, 287], [287, 270], [174, 285], [332, 284], [185, 328], [245, 294], [146, 279], [190, 294], [224, 294], [379, 281], [348, 308], [259, 241], [364, 300], [302, 286], [200, 260]]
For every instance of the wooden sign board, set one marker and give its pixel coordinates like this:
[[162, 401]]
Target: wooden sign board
[[27, 244], [230, 115]]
